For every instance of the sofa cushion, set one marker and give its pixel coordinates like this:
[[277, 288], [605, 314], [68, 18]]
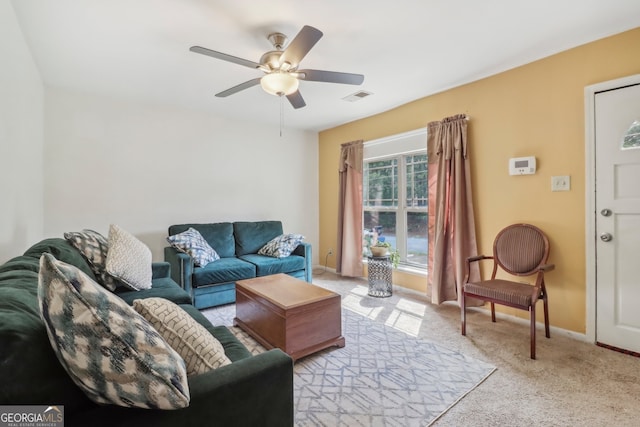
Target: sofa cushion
[[233, 348], [281, 246], [266, 265], [26, 357], [128, 260], [94, 247], [63, 251], [18, 275], [111, 352], [218, 235], [192, 243], [20, 264], [200, 350], [251, 236], [222, 271], [163, 287]]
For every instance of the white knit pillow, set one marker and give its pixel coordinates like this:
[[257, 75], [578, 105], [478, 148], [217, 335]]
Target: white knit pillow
[[128, 259]]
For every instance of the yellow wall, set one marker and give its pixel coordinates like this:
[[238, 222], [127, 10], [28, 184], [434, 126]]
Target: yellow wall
[[534, 110]]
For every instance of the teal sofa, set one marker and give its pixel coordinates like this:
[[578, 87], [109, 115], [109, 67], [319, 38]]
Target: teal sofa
[[237, 244], [251, 391]]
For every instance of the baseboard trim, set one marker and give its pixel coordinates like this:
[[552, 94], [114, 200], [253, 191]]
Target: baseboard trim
[[555, 329], [320, 269], [619, 350]]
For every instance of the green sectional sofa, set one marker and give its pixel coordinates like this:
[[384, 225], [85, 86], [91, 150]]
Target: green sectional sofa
[[251, 391], [237, 244]]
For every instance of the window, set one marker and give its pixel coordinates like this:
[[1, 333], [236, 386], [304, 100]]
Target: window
[[395, 196]]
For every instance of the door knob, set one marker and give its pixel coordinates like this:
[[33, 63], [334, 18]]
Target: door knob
[[606, 212], [606, 237]]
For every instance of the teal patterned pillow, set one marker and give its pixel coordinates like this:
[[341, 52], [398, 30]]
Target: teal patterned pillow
[[111, 352], [192, 243], [281, 246], [94, 247]]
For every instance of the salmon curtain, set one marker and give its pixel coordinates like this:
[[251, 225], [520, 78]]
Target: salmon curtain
[[452, 234], [349, 247]]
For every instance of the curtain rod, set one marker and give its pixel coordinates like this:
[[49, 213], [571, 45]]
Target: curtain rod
[[346, 144]]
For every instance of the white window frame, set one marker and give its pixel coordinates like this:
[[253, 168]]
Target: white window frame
[[399, 146]]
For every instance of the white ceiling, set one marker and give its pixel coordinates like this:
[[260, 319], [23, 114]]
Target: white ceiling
[[406, 49]]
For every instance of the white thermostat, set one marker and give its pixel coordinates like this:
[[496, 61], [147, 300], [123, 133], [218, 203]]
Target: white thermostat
[[522, 165]]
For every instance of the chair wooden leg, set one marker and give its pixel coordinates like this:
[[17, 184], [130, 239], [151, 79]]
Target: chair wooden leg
[[463, 314], [546, 316], [493, 312], [532, 310]]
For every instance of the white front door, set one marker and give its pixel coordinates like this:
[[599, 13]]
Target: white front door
[[617, 222]]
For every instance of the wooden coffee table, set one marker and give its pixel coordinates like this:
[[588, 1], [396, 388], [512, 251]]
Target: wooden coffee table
[[288, 313]]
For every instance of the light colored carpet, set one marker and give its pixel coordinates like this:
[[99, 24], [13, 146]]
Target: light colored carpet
[[572, 383], [382, 377]]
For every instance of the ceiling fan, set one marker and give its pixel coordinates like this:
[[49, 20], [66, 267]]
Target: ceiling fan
[[282, 75]]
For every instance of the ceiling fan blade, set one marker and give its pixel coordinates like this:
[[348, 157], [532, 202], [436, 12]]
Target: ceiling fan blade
[[224, 57], [300, 45], [296, 100], [331, 77], [241, 86]]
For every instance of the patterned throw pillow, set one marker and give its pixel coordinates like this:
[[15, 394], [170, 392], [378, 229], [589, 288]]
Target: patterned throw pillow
[[191, 242], [128, 259], [200, 350], [111, 352], [94, 247], [281, 246]]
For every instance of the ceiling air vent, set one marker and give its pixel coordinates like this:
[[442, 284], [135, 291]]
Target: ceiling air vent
[[357, 96]]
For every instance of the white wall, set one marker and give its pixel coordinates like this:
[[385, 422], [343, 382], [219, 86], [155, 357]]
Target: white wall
[[145, 167], [21, 139]]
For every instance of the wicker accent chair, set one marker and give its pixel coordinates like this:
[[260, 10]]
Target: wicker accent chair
[[519, 250]]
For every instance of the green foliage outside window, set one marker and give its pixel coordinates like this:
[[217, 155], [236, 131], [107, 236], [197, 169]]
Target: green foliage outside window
[[382, 203], [381, 183], [417, 181]]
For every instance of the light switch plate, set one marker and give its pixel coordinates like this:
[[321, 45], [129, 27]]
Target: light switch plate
[[561, 183]]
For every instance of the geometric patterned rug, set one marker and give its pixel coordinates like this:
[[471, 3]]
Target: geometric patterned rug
[[382, 377]]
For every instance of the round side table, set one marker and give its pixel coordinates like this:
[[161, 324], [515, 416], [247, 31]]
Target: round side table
[[380, 276]]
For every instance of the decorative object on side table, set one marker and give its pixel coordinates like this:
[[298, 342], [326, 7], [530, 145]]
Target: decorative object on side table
[[382, 248], [379, 251]]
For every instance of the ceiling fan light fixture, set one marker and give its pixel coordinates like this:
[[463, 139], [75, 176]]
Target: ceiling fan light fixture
[[281, 67], [279, 84]]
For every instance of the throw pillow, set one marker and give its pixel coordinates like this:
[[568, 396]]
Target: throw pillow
[[128, 259], [200, 350], [192, 243], [111, 352], [94, 247], [281, 246]]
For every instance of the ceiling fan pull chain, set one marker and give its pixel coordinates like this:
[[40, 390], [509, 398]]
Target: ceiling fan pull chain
[[281, 114]]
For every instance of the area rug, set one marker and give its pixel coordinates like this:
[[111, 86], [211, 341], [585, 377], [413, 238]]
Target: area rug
[[382, 377]]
